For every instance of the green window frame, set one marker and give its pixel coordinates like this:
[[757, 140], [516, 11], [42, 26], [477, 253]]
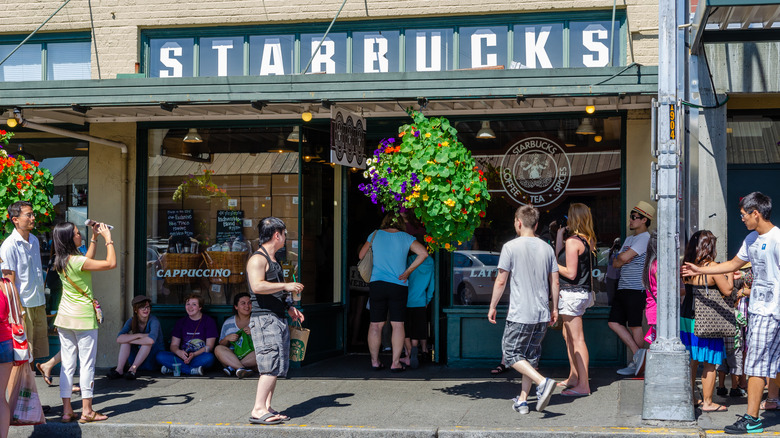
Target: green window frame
[[45, 40]]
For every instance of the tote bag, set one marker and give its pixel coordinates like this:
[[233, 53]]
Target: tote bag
[[299, 338], [366, 264], [713, 318], [16, 321]]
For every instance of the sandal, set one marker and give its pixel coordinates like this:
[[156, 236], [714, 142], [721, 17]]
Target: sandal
[[96, 416], [46, 378], [500, 368], [719, 408], [770, 404]]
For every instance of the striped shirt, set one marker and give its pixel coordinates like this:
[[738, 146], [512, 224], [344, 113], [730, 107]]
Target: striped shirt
[[631, 272]]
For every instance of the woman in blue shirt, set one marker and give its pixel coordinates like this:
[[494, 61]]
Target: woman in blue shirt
[[388, 289], [139, 341]]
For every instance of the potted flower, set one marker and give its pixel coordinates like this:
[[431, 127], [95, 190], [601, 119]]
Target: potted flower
[[199, 185], [22, 180], [427, 171]]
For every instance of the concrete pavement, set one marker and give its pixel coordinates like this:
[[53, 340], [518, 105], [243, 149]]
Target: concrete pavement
[[343, 397]]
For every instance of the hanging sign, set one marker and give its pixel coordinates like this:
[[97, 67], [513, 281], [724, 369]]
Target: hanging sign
[[347, 138]]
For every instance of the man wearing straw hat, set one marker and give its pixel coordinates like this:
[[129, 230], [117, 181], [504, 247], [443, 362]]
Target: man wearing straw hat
[[628, 305], [271, 304]]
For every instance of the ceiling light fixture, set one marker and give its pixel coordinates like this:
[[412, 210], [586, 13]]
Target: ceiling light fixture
[[485, 133], [585, 128], [16, 116], [296, 136], [598, 139], [192, 136], [591, 107]]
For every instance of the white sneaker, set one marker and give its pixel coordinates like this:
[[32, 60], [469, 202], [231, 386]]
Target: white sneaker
[[639, 360], [243, 372], [197, 371], [543, 393], [166, 370], [520, 406], [630, 370]]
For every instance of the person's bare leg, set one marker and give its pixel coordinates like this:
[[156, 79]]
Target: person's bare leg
[[5, 411], [227, 357], [397, 340], [625, 336], [375, 341], [265, 390], [51, 363], [580, 353], [121, 361], [573, 379], [694, 370], [638, 337], [143, 353], [708, 387], [755, 392], [87, 411], [525, 388]]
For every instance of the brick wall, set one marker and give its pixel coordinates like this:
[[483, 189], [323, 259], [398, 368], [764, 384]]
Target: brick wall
[[118, 23]]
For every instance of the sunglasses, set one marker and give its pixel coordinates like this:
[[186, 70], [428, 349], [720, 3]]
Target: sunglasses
[[635, 217]]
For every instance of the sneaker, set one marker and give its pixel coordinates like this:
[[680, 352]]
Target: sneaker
[[520, 406], [630, 370], [228, 371], [543, 393], [113, 374], [737, 392], [130, 375], [197, 371], [166, 370], [745, 424], [639, 360], [243, 372], [722, 391]]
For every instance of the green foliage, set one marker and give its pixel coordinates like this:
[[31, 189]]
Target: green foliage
[[428, 171], [22, 180]]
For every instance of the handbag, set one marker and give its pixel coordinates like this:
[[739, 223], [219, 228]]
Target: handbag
[[713, 317], [95, 303], [23, 399], [299, 337], [243, 345], [16, 321], [366, 264]]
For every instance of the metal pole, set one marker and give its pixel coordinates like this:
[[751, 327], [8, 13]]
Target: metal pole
[[668, 392]]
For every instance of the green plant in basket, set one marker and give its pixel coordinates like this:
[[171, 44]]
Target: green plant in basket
[[22, 180], [199, 185], [427, 171]]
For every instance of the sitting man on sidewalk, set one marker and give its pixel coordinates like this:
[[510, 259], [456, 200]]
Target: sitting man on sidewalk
[[533, 269]]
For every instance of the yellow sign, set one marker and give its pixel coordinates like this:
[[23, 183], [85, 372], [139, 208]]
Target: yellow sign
[[672, 117]]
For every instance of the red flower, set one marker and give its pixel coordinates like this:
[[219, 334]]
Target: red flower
[[481, 214], [39, 173], [389, 150], [19, 177], [428, 239], [463, 210], [28, 176], [19, 186], [36, 164], [468, 189], [45, 213]]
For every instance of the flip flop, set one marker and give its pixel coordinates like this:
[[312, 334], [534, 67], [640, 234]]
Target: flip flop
[[563, 385], [381, 366], [572, 393], [500, 368], [46, 378], [91, 418], [720, 408], [265, 419], [284, 418], [398, 370], [774, 404]]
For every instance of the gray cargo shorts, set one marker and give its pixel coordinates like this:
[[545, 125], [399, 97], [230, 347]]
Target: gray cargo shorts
[[271, 338]]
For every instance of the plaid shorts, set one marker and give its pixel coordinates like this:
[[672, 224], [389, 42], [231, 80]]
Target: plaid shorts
[[762, 358], [271, 338], [523, 342]]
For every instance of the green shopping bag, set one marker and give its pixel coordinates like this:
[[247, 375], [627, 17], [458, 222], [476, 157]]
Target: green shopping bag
[[243, 345]]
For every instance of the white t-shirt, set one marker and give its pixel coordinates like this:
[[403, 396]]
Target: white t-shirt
[[530, 261], [763, 252], [24, 258], [631, 272]]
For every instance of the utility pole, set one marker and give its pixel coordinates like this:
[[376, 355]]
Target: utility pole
[[667, 392]]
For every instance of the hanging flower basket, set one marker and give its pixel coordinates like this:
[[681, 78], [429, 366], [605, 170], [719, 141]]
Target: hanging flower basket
[[427, 171], [199, 186], [22, 180]]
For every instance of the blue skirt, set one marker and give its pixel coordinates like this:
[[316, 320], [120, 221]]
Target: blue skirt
[[708, 350]]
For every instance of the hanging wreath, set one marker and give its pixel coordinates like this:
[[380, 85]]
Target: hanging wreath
[[426, 170]]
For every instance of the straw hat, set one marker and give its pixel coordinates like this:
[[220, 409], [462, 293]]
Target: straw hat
[[644, 209]]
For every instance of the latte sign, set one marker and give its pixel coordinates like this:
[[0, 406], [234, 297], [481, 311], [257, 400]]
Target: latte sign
[[536, 171]]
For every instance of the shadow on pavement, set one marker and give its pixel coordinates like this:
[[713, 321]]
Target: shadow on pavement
[[140, 404], [311, 405]]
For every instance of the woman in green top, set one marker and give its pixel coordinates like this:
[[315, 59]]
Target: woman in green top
[[76, 320]]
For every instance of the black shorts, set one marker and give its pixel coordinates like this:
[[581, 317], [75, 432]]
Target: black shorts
[[384, 297], [628, 306], [416, 325]]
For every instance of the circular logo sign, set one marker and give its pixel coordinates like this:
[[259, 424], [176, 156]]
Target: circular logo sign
[[536, 171]]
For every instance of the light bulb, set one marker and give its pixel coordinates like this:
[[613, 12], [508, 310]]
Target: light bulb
[[597, 139], [590, 109], [11, 122], [306, 116]]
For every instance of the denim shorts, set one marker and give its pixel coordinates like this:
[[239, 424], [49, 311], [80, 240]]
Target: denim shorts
[[6, 351]]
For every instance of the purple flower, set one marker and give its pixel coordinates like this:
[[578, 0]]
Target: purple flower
[[373, 198], [403, 187], [391, 140], [414, 179], [416, 133], [383, 182], [377, 152], [389, 170], [362, 187], [383, 209]]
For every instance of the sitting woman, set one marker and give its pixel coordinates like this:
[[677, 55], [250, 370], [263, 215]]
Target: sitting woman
[[139, 341], [192, 341], [235, 340]]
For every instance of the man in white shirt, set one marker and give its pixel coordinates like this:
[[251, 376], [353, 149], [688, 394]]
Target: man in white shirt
[[762, 249], [21, 264]]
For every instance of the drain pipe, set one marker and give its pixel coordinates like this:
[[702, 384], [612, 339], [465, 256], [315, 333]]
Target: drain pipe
[[66, 133]]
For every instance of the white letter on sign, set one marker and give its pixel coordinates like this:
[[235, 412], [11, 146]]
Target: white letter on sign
[[595, 31], [535, 48], [477, 38], [324, 56], [375, 61], [222, 47], [422, 51], [272, 63], [166, 51]]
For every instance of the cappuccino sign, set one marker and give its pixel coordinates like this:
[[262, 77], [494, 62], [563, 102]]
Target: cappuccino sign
[[536, 171]]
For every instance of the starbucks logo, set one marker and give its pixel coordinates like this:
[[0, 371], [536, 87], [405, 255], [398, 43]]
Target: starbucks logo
[[535, 171]]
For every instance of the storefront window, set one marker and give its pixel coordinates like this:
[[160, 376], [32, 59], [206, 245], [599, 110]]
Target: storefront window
[[203, 203], [548, 164]]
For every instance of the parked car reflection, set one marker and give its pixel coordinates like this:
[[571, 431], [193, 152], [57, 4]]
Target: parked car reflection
[[474, 273]]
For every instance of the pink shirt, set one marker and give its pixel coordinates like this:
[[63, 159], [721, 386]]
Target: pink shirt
[[5, 327], [652, 293]]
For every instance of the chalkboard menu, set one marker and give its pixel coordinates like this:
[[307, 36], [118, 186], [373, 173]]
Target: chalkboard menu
[[229, 225], [180, 223]]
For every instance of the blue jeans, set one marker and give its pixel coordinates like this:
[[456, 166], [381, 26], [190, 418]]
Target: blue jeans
[[167, 359]]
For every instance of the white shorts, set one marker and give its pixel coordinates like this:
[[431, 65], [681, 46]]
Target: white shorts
[[574, 302]]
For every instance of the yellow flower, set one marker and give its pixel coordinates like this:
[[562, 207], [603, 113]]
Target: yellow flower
[[445, 144], [428, 178], [425, 197], [450, 202], [427, 135], [471, 202], [416, 188]]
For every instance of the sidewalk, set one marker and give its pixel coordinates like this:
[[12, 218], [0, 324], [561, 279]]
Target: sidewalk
[[343, 397]]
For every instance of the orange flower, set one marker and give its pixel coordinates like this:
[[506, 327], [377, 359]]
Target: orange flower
[[398, 148], [19, 186], [19, 177], [39, 173], [36, 164], [45, 213], [28, 176], [389, 150]]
